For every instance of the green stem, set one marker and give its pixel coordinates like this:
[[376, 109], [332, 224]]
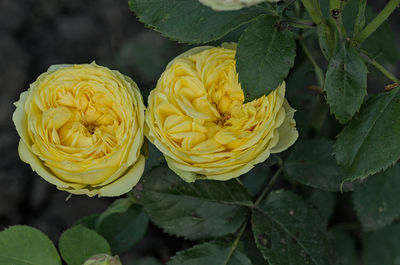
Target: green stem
[[314, 9], [317, 70], [334, 4], [336, 9], [340, 28], [380, 67], [378, 20], [235, 243], [360, 20], [319, 115], [269, 185]]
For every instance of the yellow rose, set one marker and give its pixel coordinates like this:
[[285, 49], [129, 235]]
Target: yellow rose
[[81, 129], [223, 5], [197, 117]]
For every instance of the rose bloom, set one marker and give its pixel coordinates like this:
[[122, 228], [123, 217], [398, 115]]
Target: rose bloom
[[197, 117], [81, 129], [223, 5]]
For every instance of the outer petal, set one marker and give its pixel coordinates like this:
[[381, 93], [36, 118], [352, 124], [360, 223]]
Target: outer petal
[[288, 133], [28, 157], [120, 186], [187, 176], [20, 119], [125, 183]]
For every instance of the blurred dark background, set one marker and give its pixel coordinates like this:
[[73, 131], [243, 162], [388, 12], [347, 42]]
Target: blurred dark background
[[35, 34]]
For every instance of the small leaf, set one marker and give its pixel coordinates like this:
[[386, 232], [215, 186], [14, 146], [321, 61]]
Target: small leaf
[[209, 253], [123, 224], [79, 243], [345, 83], [312, 163], [204, 209], [89, 221], [24, 245], [123, 228], [290, 231], [188, 20], [265, 54], [371, 141], [382, 246], [377, 200]]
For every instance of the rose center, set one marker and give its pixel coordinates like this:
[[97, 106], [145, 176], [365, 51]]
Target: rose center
[[90, 127]]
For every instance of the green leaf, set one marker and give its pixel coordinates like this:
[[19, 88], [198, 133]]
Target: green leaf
[[345, 247], [204, 209], [89, 221], [312, 163], [188, 20], [290, 231], [324, 201], [377, 200], [256, 178], [327, 39], [251, 250], [265, 54], [155, 157], [24, 245], [123, 224], [371, 141], [382, 246], [79, 243], [345, 83], [209, 253]]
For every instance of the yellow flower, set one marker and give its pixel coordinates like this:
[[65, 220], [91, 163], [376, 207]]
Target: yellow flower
[[197, 117], [223, 5], [81, 129]]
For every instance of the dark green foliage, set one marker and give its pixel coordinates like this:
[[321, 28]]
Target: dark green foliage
[[345, 83], [210, 253], [288, 230], [204, 209], [23, 245], [345, 246], [382, 246], [123, 224], [79, 243], [324, 201], [188, 20], [371, 142], [312, 163], [272, 48], [377, 200]]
